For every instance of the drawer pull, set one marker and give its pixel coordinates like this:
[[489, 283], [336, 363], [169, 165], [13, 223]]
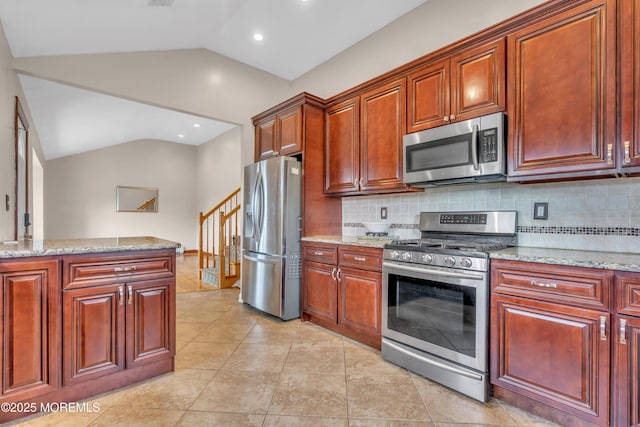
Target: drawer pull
[[360, 258], [121, 294], [333, 274], [130, 299], [603, 328], [124, 269], [318, 253], [609, 154], [543, 285], [623, 331]]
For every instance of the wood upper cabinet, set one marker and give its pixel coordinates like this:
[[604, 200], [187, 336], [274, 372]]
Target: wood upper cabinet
[[279, 135], [30, 333], [626, 374], [562, 102], [382, 126], [363, 148], [630, 85], [468, 84], [342, 147], [551, 339]]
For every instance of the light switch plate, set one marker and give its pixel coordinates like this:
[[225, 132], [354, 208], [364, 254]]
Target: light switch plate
[[540, 210]]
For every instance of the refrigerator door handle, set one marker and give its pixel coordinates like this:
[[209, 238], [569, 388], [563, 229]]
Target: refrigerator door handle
[[269, 260], [258, 203]]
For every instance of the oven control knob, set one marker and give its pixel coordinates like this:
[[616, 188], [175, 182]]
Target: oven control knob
[[449, 260], [394, 254], [406, 256], [427, 258], [466, 262]]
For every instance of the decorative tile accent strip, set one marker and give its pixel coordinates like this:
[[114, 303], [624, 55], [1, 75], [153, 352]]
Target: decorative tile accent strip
[[593, 231]]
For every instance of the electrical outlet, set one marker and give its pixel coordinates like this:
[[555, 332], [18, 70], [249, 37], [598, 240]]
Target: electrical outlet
[[540, 210], [6, 202], [383, 213]]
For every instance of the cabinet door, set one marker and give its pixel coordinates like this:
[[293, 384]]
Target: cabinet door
[[150, 324], [428, 94], [342, 147], [266, 139], [320, 291], [289, 137], [382, 128], [562, 106], [360, 300], [555, 354], [30, 328], [630, 87], [478, 81], [626, 399], [94, 332]]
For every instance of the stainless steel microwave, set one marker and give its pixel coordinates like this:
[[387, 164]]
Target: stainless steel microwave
[[466, 151]]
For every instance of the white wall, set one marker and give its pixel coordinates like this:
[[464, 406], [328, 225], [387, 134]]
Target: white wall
[[80, 192], [9, 89], [218, 168]]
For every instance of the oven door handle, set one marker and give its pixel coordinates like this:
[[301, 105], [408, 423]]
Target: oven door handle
[[471, 375], [423, 270]]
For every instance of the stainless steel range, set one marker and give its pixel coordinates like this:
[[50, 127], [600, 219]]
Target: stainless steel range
[[435, 300]]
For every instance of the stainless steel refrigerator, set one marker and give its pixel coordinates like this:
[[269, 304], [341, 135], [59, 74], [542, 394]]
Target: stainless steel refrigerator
[[271, 260]]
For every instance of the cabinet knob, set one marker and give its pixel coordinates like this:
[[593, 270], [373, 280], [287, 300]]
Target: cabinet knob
[[333, 274], [121, 294], [627, 156], [130, 299], [445, 118], [452, 117]]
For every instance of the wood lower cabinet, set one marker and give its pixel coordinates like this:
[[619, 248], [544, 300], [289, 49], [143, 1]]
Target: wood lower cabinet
[[562, 106], [79, 325], [30, 333], [467, 84], [552, 358], [103, 322], [626, 375], [342, 290]]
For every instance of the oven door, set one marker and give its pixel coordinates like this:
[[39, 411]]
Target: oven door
[[441, 311]]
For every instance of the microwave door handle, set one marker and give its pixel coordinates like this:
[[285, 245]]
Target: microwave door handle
[[474, 147]]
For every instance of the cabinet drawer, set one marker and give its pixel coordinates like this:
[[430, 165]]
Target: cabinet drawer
[[360, 257], [553, 283], [95, 270], [320, 252], [628, 294]]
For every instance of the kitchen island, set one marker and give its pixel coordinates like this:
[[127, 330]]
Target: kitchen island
[[83, 316]]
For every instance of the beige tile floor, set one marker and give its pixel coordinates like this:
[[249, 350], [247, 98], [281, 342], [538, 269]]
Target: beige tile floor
[[237, 367]]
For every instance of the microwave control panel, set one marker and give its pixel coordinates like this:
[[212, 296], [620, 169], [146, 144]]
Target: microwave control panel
[[488, 145]]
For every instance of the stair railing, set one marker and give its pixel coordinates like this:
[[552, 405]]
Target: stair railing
[[219, 240]]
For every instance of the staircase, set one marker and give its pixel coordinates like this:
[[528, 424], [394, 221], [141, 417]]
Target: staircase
[[219, 243]]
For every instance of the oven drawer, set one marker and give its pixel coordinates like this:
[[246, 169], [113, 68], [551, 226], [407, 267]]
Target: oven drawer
[[320, 252], [553, 283], [360, 257]]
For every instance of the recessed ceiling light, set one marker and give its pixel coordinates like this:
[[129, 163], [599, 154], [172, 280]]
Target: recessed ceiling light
[[180, 135], [258, 37], [196, 125]]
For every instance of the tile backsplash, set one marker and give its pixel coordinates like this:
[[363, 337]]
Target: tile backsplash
[[601, 215]]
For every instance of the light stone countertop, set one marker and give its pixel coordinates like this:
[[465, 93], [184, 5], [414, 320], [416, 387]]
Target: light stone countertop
[[591, 259], [30, 248], [371, 242]]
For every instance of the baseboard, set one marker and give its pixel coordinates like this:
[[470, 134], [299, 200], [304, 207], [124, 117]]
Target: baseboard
[[190, 251]]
